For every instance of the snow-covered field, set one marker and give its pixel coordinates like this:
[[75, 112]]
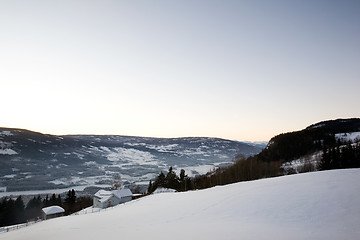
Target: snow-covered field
[[318, 205]]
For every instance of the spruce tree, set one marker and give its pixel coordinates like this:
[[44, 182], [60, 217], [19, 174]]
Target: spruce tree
[[150, 188], [59, 201], [33, 208], [19, 210], [172, 180]]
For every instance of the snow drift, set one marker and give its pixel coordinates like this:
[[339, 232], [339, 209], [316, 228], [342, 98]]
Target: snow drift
[[319, 205]]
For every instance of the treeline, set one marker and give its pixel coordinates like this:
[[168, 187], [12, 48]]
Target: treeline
[[336, 156], [15, 212], [290, 146], [244, 169], [171, 180], [341, 156]]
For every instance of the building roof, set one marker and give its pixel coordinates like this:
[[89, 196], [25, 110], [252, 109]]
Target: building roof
[[120, 193], [53, 210], [104, 195], [163, 190]]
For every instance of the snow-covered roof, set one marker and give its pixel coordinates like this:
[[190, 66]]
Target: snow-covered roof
[[104, 195], [122, 193], [163, 190], [53, 210]]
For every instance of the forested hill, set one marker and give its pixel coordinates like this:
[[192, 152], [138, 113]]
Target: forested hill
[[293, 145], [326, 145]]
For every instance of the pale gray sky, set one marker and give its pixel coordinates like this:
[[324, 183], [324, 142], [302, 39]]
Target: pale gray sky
[[244, 70]]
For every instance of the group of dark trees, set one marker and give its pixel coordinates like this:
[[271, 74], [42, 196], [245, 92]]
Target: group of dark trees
[[243, 169], [293, 145], [15, 212], [341, 156], [171, 180]]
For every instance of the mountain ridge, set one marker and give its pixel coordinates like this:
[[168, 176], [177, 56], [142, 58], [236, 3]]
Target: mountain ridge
[[39, 161]]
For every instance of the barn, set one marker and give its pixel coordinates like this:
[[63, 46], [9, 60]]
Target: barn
[[52, 212], [104, 199]]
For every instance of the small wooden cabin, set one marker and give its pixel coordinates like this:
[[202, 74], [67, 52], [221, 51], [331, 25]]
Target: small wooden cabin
[[52, 212]]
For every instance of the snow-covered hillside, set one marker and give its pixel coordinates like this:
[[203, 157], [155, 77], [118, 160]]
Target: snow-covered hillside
[[318, 205], [38, 161]]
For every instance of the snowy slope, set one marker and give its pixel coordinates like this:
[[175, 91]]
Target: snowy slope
[[318, 205]]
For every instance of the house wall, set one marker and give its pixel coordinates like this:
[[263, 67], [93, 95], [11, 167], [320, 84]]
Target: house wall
[[97, 203], [55, 215], [113, 201], [126, 199]]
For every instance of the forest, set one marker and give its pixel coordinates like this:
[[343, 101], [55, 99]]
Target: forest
[[15, 212]]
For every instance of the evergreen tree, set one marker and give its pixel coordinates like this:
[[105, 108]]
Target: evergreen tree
[[7, 212], [59, 201], [150, 188], [70, 202], [71, 196], [160, 180], [46, 202], [172, 180], [183, 180], [19, 210], [53, 200], [33, 208]]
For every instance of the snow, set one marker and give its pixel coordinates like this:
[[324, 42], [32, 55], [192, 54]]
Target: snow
[[318, 205], [7, 151], [131, 155], [103, 195], [353, 136], [53, 210], [193, 171], [9, 176], [6, 133], [50, 191], [163, 190], [163, 148], [77, 180], [297, 165], [120, 193]]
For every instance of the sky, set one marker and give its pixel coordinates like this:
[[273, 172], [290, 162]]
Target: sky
[[240, 70]]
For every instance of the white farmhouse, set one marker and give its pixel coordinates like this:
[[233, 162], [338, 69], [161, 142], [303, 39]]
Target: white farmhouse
[[104, 199]]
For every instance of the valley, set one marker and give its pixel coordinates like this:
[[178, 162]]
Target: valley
[[35, 161]]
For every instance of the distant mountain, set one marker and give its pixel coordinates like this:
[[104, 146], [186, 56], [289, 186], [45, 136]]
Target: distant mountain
[[261, 144], [32, 161], [293, 145]]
